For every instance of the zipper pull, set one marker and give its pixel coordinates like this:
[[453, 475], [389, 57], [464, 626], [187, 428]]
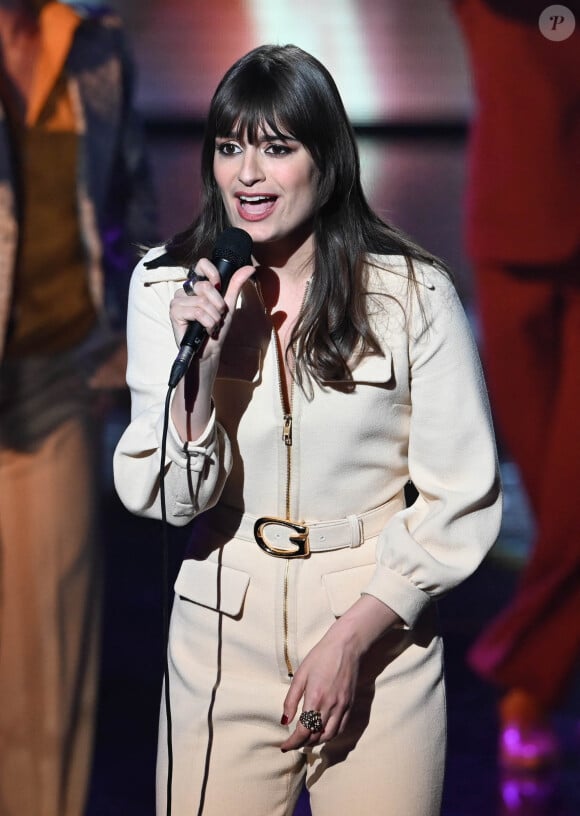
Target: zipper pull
[[287, 430]]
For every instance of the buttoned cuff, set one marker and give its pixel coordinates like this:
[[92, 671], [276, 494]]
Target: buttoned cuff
[[190, 455], [399, 594]]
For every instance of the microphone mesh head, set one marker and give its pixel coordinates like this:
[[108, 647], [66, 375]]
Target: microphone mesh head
[[234, 245]]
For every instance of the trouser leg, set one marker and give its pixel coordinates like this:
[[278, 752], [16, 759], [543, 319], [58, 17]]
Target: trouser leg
[[228, 679], [49, 625], [391, 758], [226, 731], [532, 354]]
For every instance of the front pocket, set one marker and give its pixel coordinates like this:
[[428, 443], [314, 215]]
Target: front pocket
[[345, 587], [213, 585]]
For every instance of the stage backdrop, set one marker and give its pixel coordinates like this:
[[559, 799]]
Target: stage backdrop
[[394, 60]]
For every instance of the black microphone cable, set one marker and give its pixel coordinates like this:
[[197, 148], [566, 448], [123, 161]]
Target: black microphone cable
[[165, 599], [233, 249]]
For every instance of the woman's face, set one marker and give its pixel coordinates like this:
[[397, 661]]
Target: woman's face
[[269, 188]]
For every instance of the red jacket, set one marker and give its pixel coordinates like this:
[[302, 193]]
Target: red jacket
[[524, 188]]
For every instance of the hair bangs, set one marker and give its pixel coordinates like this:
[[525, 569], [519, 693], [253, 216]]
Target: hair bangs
[[259, 102], [251, 125]]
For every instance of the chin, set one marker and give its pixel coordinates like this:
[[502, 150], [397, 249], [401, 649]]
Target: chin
[[258, 233]]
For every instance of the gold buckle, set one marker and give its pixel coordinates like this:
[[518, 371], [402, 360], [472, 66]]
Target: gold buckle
[[300, 539]]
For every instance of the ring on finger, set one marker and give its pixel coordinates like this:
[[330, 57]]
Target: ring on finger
[[312, 720], [188, 287]]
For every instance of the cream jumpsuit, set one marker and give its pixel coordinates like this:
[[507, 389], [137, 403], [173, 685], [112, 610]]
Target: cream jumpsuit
[[336, 461]]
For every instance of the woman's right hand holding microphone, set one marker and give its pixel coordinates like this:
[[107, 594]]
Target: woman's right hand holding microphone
[[191, 407]]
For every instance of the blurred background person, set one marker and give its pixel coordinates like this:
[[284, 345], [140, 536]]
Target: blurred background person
[[523, 237], [75, 199]]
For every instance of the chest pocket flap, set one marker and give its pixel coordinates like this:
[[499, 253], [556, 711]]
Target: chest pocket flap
[[373, 369]]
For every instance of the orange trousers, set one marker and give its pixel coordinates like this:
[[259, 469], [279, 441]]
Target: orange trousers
[[49, 625]]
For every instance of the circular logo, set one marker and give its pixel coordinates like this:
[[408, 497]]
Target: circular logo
[[557, 23]]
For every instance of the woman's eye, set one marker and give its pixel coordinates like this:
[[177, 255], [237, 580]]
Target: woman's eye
[[278, 149], [228, 148]]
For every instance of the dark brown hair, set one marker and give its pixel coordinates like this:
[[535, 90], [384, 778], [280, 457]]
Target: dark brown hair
[[289, 92]]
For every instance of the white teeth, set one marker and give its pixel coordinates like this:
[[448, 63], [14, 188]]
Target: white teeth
[[255, 199]]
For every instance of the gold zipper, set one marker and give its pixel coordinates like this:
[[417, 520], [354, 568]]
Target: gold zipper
[[287, 439], [287, 430], [289, 667]]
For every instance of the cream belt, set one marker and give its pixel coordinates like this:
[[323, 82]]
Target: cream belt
[[284, 538]]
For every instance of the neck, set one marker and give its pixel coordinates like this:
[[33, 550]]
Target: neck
[[291, 261], [283, 289], [19, 50]]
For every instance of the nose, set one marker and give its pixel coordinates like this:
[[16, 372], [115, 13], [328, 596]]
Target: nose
[[251, 170]]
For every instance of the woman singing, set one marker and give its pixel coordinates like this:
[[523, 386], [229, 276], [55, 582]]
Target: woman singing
[[338, 366]]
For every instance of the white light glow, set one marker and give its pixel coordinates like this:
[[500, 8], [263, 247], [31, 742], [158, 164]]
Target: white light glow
[[338, 40]]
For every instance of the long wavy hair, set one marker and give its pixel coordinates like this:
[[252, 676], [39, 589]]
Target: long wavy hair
[[290, 93]]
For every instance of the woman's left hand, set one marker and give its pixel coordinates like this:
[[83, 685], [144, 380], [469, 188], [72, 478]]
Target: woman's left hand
[[326, 682], [326, 679]]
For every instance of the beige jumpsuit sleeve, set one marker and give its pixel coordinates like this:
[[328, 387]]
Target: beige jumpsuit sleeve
[[195, 471], [430, 547]]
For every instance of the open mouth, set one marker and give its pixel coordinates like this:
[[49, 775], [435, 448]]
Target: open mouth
[[256, 206], [252, 201]]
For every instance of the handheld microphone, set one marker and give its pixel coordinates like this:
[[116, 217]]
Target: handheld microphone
[[233, 249]]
